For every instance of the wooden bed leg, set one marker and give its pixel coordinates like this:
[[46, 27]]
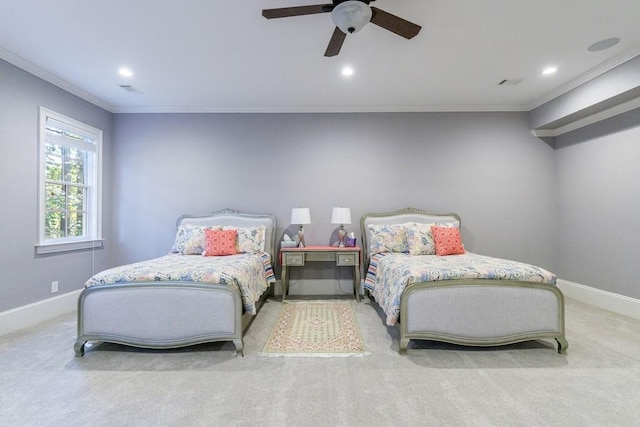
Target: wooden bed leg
[[78, 347], [563, 344], [239, 347], [404, 344]]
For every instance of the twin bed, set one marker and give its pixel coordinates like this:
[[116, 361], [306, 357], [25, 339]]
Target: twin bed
[[195, 295], [185, 298], [459, 297]]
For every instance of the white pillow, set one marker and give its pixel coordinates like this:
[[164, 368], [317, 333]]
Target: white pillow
[[420, 239], [388, 238], [250, 239]]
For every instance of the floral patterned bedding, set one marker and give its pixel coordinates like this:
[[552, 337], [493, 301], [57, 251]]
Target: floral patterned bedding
[[390, 273], [251, 274]]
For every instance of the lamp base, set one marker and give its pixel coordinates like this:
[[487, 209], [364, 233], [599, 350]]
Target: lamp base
[[301, 237], [341, 235]]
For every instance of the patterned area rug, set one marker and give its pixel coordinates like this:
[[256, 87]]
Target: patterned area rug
[[315, 329]]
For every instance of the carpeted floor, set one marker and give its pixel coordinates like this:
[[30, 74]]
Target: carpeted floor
[[596, 384]]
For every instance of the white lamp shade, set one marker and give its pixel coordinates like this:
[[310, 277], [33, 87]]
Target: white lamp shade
[[341, 216], [300, 216], [351, 16]]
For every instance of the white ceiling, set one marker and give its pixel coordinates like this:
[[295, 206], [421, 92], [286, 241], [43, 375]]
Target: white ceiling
[[223, 56]]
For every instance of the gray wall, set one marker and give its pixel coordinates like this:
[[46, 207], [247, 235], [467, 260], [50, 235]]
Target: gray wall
[[599, 200], [484, 166], [572, 210], [25, 277]]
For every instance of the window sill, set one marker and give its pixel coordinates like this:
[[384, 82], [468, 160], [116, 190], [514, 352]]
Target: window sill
[[52, 248]]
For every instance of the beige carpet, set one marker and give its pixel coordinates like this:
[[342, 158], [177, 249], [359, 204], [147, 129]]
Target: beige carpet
[[315, 329], [597, 383]]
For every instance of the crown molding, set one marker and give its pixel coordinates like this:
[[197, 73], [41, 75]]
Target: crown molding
[[325, 109], [53, 79]]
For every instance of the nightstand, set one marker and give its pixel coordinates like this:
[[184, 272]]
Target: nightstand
[[343, 257]]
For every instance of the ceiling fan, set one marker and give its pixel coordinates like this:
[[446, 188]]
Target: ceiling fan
[[349, 16]]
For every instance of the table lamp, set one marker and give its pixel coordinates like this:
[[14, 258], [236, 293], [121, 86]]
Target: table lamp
[[341, 216], [300, 216]]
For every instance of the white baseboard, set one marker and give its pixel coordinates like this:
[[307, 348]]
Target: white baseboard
[[602, 299], [32, 314]]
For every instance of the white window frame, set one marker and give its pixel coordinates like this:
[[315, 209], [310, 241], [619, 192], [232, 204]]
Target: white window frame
[[92, 237]]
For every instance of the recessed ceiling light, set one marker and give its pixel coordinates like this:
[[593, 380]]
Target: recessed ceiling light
[[347, 71], [549, 70], [604, 44], [125, 72]]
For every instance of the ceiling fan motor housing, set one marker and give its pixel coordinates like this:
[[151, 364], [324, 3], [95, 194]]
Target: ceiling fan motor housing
[[350, 16]]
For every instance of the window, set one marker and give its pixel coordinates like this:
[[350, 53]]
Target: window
[[69, 185]]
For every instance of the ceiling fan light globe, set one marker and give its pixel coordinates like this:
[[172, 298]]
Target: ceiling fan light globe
[[351, 16]]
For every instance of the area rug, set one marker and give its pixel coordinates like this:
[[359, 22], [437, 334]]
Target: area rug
[[315, 329]]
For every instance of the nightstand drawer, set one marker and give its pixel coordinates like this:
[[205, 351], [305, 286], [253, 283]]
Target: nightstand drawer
[[347, 259], [293, 259], [321, 257]]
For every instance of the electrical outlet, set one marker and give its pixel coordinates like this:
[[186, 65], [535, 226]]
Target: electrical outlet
[[54, 287]]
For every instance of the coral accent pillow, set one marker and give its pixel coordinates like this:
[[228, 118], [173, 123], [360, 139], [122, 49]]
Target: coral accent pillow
[[221, 242], [447, 240]]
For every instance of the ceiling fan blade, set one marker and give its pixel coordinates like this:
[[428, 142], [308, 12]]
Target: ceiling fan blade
[[395, 24], [284, 12], [335, 44]]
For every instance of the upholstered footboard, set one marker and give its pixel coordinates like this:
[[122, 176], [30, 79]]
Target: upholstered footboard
[[159, 315], [482, 313]]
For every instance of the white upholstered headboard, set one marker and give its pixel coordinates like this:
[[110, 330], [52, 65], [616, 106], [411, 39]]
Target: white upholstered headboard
[[239, 219], [400, 217]]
